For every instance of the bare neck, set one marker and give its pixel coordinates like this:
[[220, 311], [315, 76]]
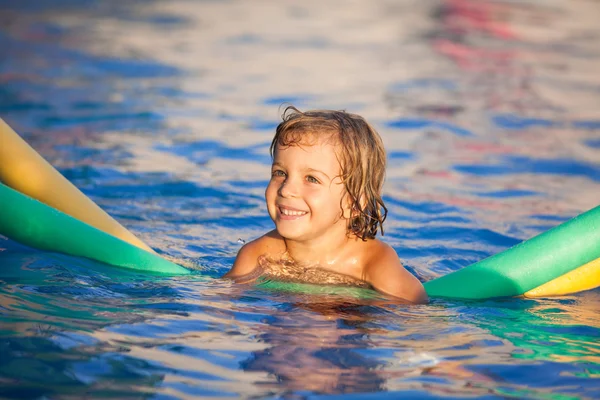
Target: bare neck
[[327, 253]]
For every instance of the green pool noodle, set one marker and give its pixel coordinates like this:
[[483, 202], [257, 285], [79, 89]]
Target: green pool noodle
[[327, 290], [37, 225], [527, 265]]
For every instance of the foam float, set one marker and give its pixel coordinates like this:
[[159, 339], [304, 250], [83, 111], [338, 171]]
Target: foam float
[[42, 209]]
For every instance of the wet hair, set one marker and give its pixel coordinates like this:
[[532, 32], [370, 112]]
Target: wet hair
[[362, 159]]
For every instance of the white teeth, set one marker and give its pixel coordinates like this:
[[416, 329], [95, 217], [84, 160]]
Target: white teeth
[[291, 212]]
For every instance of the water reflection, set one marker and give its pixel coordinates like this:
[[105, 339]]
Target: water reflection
[[324, 345], [314, 347]]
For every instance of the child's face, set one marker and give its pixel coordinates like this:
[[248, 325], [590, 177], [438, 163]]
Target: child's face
[[305, 192]]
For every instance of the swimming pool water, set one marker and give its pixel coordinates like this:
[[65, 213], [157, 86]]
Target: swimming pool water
[[162, 112]]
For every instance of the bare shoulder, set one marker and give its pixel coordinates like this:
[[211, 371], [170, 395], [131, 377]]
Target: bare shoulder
[[384, 271], [247, 258]]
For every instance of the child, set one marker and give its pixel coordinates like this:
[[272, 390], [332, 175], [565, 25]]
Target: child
[[325, 199]]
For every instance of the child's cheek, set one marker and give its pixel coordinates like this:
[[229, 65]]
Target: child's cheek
[[314, 190]]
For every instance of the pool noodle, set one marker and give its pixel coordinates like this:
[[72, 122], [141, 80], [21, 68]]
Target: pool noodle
[[312, 289], [38, 225], [583, 278], [530, 264], [558, 261], [23, 169]]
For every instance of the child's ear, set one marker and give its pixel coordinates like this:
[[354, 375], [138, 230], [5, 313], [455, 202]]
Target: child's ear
[[350, 209], [347, 207]]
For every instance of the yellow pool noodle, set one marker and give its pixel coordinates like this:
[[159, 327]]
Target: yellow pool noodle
[[24, 170], [585, 277]]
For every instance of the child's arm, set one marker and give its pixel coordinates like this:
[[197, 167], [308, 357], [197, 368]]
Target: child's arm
[[246, 261], [387, 275]]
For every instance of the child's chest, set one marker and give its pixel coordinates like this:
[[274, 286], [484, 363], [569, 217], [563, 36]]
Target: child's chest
[[291, 271]]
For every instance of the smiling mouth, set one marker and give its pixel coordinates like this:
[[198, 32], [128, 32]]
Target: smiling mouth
[[291, 213]]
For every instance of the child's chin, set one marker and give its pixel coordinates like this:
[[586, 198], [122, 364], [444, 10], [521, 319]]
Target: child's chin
[[291, 234]]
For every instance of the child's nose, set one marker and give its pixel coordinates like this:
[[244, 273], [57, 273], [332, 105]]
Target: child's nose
[[288, 189]]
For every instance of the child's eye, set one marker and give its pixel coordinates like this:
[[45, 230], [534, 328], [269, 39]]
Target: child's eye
[[312, 179], [278, 172]]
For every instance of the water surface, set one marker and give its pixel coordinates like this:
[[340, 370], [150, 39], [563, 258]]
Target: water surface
[[162, 113]]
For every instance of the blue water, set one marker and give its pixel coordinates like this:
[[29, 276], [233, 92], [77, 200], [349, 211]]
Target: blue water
[[162, 113]]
